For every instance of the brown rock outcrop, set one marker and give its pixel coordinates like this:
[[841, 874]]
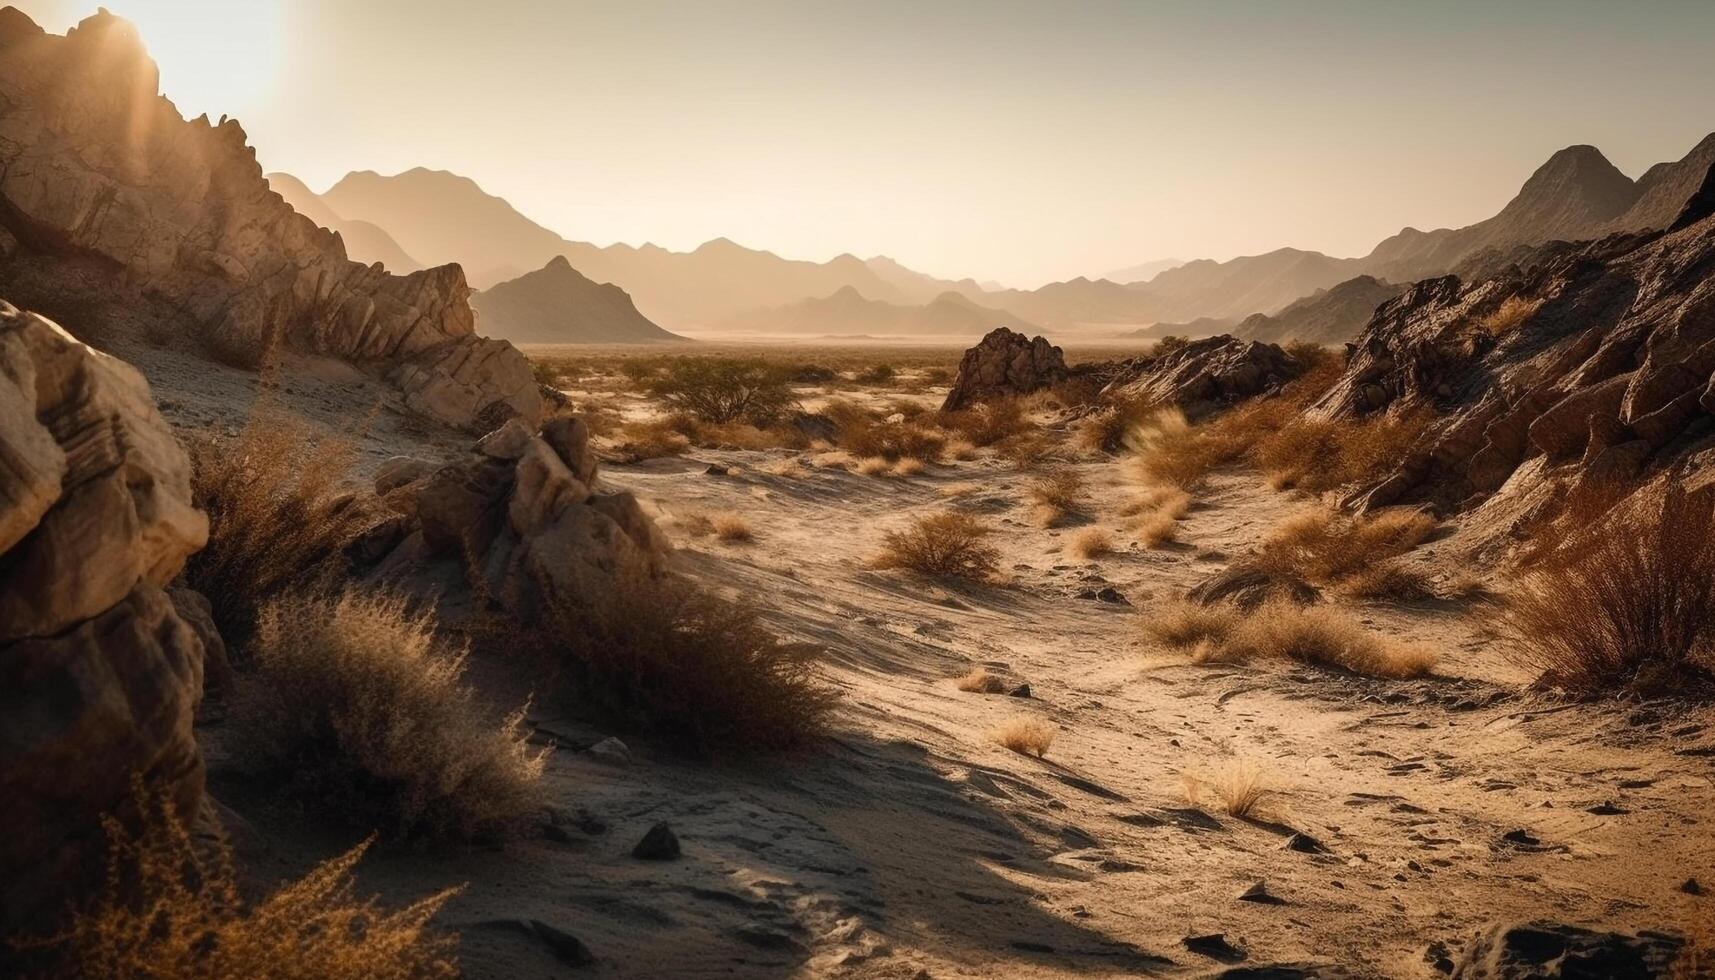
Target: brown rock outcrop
[[99, 674], [1005, 363], [1612, 371], [1205, 374], [521, 522], [99, 171]]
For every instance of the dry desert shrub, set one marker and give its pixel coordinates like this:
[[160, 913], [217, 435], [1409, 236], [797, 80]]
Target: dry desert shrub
[[1319, 455], [959, 448], [945, 545], [1057, 492], [1155, 528], [1323, 637], [907, 466], [1025, 735], [363, 710], [832, 459], [695, 523], [664, 657], [1240, 784], [172, 910], [719, 390], [1627, 606], [277, 517], [1091, 543], [1322, 546], [871, 466], [1158, 500], [891, 441], [739, 435], [980, 681], [1512, 314], [1106, 429], [987, 423], [1184, 625], [1168, 451], [1388, 580], [732, 528], [789, 468], [876, 374], [657, 438]]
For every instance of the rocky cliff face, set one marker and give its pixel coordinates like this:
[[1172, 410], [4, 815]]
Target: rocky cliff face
[[99, 172], [1596, 361], [1005, 363], [1204, 375], [99, 673]]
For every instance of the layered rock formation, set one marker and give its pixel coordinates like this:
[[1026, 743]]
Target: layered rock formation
[[1329, 316], [1611, 367], [522, 522], [1204, 374], [557, 304], [99, 674], [1005, 363], [99, 174]]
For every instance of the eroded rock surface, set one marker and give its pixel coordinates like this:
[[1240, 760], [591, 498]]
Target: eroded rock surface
[[522, 521], [1005, 363], [99, 673], [1552, 951], [101, 179], [1205, 374]]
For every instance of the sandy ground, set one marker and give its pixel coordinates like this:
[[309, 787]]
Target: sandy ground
[[910, 844]]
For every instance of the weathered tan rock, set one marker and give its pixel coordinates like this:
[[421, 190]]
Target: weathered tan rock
[[95, 164], [99, 674], [1205, 374], [521, 521], [1005, 363]]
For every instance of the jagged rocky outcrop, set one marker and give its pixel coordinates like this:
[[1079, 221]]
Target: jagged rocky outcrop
[[521, 522], [1328, 316], [1610, 375], [100, 674], [1005, 363], [1204, 374], [102, 180]]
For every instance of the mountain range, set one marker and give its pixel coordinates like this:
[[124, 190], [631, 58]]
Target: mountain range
[[847, 312], [364, 242], [436, 217], [556, 304]]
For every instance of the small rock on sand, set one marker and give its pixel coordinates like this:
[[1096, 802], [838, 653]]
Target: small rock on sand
[[659, 844]]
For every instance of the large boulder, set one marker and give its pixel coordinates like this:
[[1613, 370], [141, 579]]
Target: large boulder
[[1205, 374], [522, 522], [99, 673], [1554, 951], [1005, 363], [100, 173]]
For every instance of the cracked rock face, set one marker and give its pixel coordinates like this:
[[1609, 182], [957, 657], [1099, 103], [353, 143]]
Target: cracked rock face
[[1205, 374], [1005, 363], [99, 674], [1611, 375], [97, 168]]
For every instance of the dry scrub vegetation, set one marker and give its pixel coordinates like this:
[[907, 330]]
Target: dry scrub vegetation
[[358, 707], [1628, 605], [980, 681], [1090, 543], [663, 657], [1283, 630], [945, 545], [1351, 554], [1238, 783], [172, 910], [1025, 735], [278, 519], [1513, 313], [1056, 494]]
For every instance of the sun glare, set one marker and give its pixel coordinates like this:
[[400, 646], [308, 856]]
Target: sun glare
[[216, 56]]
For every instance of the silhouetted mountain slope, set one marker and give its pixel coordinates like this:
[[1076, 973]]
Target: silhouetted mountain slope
[[557, 304], [847, 312], [1143, 271], [1328, 316], [364, 241]]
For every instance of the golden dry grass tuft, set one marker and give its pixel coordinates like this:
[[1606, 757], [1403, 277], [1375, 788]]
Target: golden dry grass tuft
[[1090, 543], [1513, 313], [363, 712], [1184, 625], [1626, 605], [278, 519], [980, 681], [1325, 547], [959, 448], [907, 466], [944, 545], [872, 466], [1060, 488], [1025, 735], [1281, 630], [733, 528], [1167, 450], [790, 469], [1240, 784], [172, 909], [664, 657], [990, 422], [1171, 501], [1319, 455], [655, 439], [1155, 528]]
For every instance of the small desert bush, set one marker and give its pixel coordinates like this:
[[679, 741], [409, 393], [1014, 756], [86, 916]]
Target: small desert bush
[[1155, 528], [664, 657], [356, 703], [959, 448], [891, 440], [1025, 735], [871, 466], [1168, 450], [1060, 488], [1323, 547], [1105, 429], [638, 441], [1322, 637], [733, 528], [1184, 625], [277, 517], [1091, 543], [1158, 500], [1513, 312], [1628, 605], [987, 423], [876, 374], [172, 910], [739, 435], [907, 466], [1387, 580], [719, 390], [945, 545], [980, 681], [1319, 455], [1238, 783]]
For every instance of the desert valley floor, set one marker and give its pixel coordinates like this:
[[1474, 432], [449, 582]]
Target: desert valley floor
[[1402, 816]]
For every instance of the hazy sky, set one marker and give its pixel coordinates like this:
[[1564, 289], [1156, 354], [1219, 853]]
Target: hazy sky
[[1017, 141]]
